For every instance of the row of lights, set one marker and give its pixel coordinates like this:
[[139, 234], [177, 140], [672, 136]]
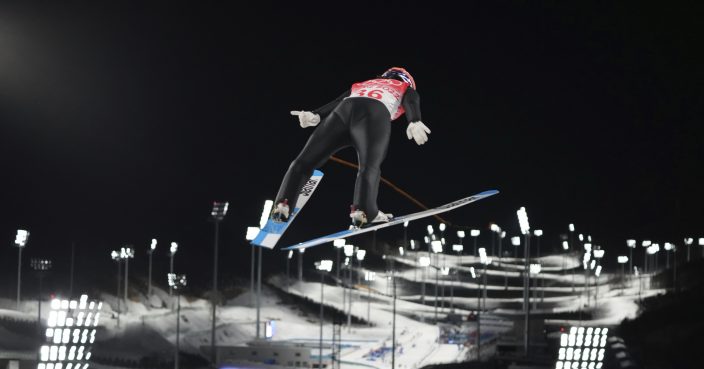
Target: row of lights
[[582, 348]]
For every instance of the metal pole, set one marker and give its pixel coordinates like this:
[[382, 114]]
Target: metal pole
[[369, 303], [437, 280], [300, 266], [149, 290], [19, 275], [322, 284], [630, 260], [70, 288], [338, 264], [526, 297], [127, 270], [171, 270], [475, 245], [251, 276], [178, 329], [214, 292], [39, 306], [349, 297], [479, 324], [259, 287], [393, 324], [288, 274], [117, 294]]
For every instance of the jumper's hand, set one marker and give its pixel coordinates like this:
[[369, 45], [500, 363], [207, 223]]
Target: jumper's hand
[[417, 131], [306, 118]]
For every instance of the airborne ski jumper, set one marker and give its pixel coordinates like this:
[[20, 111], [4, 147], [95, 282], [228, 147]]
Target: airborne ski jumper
[[361, 118]]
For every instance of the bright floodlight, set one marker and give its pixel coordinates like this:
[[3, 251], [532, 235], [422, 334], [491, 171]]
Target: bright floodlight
[[482, 255], [516, 241], [424, 261], [460, 234], [360, 254], [174, 248], [588, 247], [442, 227], [219, 210], [436, 246], [669, 246], [413, 245], [701, 242], [538, 232], [338, 242], [471, 271], [631, 243], [445, 270], [571, 227], [153, 245], [401, 250], [565, 245], [252, 233], [495, 228], [622, 259], [40, 264], [535, 269], [474, 232], [688, 241], [430, 229], [599, 254], [405, 224], [457, 248], [646, 243], [127, 253], [268, 204], [523, 220], [177, 281], [290, 254], [348, 250], [324, 265], [369, 276], [597, 272], [21, 238]]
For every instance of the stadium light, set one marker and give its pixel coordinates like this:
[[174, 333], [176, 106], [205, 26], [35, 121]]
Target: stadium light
[[460, 235], [217, 214], [322, 266], [430, 229], [565, 245], [442, 227], [523, 220], [172, 252], [251, 234], [436, 246], [177, 282], [424, 261], [152, 247], [20, 242], [457, 248]]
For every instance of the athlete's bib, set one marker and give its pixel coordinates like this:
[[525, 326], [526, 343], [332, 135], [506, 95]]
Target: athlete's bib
[[388, 91]]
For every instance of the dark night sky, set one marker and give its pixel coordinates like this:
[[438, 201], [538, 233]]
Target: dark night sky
[[121, 123]]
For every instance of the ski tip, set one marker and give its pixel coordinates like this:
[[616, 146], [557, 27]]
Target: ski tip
[[488, 193], [317, 173]]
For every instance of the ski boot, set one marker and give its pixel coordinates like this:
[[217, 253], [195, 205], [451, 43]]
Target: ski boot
[[280, 212], [359, 218]]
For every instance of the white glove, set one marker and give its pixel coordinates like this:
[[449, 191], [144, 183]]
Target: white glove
[[306, 118], [417, 131]]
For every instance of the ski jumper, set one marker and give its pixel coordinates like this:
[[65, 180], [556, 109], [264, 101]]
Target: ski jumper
[[361, 118]]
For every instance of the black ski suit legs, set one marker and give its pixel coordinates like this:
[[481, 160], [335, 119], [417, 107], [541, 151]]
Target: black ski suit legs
[[358, 122]]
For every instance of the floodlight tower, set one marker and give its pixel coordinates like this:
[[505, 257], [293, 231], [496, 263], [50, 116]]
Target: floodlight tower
[[622, 259], [115, 255], [40, 267], [535, 271], [172, 252], [424, 262], [126, 254], [537, 233], [251, 234], [688, 242], [347, 300], [369, 276], [700, 242], [152, 247], [475, 233], [322, 266], [217, 214], [437, 248], [177, 282], [288, 273], [339, 244], [668, 247], [484, 260], [645, 244], [458, 249], [20, 242], [631, 244], [525, 230], [496, 231], [516, 242]]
